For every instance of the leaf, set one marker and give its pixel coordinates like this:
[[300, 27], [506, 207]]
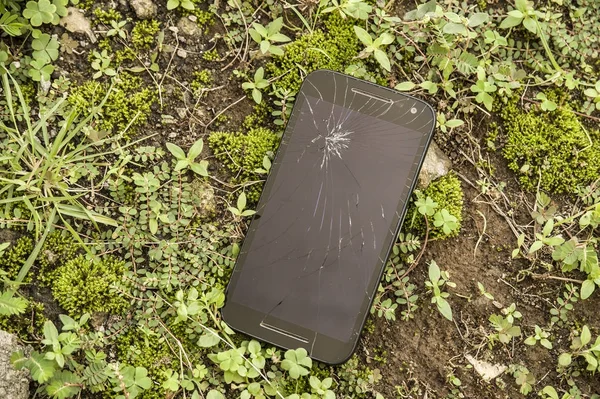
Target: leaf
[[564, 359], [50, 333], [478, 19], [275, 26], [455, 29], [550, 391], [256, 96], [405, 86], [176, 151], [434, 272], [63, 385], [383, 59], [241, 201], [200, 168], [18, 360], [68, 322], [41, 369], [363, 36], [141, 378], [181, 164], [195, 150], [587, 289], [208, 340], [214, 394], [510, 21], [444, 308], [530, 25], [11, 305], [455, 123], [586, 336]]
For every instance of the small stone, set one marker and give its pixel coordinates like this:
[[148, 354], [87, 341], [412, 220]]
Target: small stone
[[435, 165], [204, 198], [188, 27], [181, 53], [13, 384], [76, 22], [486, 370], [144, 9]]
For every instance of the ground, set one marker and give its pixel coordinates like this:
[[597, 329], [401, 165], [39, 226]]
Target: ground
[[190, 69]]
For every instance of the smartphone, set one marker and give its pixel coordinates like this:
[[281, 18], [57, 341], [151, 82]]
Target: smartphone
[[328, 216]]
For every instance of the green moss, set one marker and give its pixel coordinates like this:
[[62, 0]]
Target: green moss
[[211, 55], [106, 16], [28, 325], [331, 49], [84, 286], [129, 98], [139, 349], [202, 79], [551, 148], [125, 54], [144, 33], [258, 117], [15, 256], [59, 248], [242, 154], [203, 17], [448, 194]]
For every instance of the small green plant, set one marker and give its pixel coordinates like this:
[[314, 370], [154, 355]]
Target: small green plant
[[101, 64], [297, 363], [540, 336], [441, 204], [437, 279], [117, 29], [257, 85], [511, 313], [594, 94], [357, 9], [240, 210], [579, 348], [375, 46], [185, 4], [523, 377], [189, 161], [45, 12], [267, 36], [483, 291], [505, 330]]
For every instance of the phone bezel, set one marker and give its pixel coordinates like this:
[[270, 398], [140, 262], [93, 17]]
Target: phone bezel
[[320, 347]]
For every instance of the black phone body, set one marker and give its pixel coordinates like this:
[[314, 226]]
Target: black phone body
[[328, 216]]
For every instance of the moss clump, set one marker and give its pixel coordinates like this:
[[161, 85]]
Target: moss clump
[[106, 16], [211, 55], [144, 33], [242, 154], [127, 100], [202, 79], [331, 49], [58, 249], [551, 148], [28, 325], [138, 349], [84, 286], [448, 194], [15, 256]]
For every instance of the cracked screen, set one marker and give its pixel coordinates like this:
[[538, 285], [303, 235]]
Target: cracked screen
[[331, 207]]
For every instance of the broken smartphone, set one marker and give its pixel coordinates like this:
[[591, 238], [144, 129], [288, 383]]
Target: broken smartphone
[[329, 214]]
